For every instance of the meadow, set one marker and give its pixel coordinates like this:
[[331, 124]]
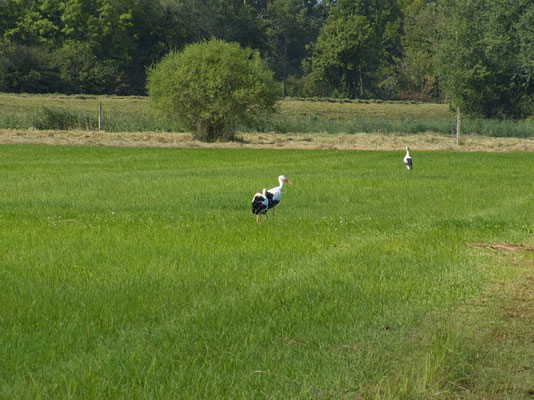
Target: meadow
[[141, 273], [133, 114]]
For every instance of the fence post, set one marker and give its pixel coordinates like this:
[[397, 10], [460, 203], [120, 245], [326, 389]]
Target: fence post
[[458, 119], [100, 120]]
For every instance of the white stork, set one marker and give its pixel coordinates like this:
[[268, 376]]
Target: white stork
[[262, 202], [408, 159]]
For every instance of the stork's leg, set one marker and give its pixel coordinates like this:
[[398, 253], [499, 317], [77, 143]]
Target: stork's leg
[[258, 219]]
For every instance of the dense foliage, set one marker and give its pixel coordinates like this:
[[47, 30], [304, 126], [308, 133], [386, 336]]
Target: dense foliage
[[486, 56], [479, 55], [210, 86]]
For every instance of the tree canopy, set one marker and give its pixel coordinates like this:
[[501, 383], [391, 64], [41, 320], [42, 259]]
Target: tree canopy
[[477, 54], [482, 58]]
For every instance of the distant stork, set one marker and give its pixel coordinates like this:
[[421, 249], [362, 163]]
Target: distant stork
[[262, 202], [408, 159]]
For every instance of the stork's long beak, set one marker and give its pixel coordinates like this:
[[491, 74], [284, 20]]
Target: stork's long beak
[[288, 181]]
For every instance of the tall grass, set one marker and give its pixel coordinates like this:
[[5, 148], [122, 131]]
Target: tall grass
[[66, 119], [140, 273], [132, 114], [357, 124]]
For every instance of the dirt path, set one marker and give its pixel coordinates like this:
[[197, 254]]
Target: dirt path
[[360, 141]]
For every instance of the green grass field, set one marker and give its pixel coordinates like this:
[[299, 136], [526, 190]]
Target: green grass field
[[140, 273]]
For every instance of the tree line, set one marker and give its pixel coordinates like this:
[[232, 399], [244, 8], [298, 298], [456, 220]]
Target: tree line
[[477, 54]]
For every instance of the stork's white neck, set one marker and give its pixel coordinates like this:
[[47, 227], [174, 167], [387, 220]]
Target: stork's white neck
[[281, 181]]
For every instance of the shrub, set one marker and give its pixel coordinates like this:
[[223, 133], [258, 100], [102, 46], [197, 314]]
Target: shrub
[[211, 86]]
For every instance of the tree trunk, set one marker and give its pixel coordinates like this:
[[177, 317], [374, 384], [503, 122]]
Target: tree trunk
[[285, 66]]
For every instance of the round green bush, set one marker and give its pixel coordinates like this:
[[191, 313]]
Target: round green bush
[[210, 86]]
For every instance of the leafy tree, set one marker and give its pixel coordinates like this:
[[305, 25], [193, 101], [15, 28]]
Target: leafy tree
[[8, 17], [484, 59], [32, 23], [236, 22], [80, 70], [342, 54], [385, 18], [509, 47], [417, 69], [290, 25], [148, 45], [525, 34], [360, 42], [188, 21], [105, 23], [210, 86], [27, 69], [460, 61]]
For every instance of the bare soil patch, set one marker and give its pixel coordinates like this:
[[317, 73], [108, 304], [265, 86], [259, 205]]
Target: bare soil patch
[[313, 141], [504, 246]]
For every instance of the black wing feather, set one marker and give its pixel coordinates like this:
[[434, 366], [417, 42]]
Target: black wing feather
[[257, 205], [272, 202]]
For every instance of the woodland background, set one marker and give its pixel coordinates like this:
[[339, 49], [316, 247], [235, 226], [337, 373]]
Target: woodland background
[[478, 55]]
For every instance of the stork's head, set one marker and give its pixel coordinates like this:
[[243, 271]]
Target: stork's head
[[283, 178], [407, 148]]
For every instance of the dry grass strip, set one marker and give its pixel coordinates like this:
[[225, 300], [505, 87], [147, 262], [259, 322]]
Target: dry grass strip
[[503, 246], [304, 141]]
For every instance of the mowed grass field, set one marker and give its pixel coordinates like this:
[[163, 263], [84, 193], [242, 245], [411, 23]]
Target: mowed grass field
[[141, 273], [134, 114]]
